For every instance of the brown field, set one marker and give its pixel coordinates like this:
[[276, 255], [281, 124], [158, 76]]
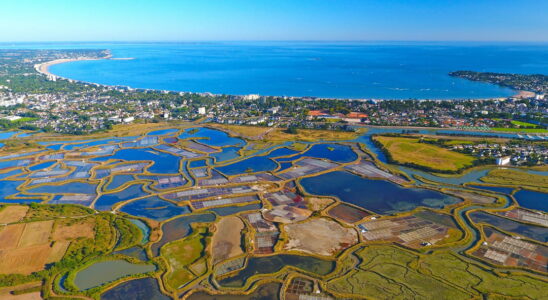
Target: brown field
[[309, 135], [10, 236], [29, 296], [347, 213], [245, 131], [317, 204], [227, 239], [319, 236], [5, 293], [58, 251], [24, 260], [11, 214], [36, 233], [64, 232]]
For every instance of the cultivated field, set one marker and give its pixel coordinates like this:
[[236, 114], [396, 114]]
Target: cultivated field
[[10, 236], [410, 151], [65, 231], [227, 239], [28, 247], [12, 213], [319, 236], [36, 233]]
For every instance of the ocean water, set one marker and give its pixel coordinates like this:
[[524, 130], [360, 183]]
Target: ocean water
[[338, 70]]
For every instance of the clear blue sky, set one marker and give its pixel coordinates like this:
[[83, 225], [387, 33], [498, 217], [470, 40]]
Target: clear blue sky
[[144, 20]]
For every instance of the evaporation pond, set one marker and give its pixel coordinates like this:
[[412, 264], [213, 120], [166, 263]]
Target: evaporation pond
[[163, 162], [106, 271], [379, 196]]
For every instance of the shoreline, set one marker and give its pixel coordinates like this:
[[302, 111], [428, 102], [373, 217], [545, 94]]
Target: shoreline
[[43, 68]]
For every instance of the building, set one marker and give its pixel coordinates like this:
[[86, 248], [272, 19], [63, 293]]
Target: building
[[12, 118], [202, 111], [252, 97], [503, 161], [128, 119]]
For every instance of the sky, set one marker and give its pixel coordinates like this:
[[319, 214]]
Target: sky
[[238, 20]]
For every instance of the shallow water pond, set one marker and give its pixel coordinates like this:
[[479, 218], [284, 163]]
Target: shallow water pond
[[249, 165], [379, 196], [268, 291], [211, 137], [154, 208], [164, 163], [534, 232], [138, 289], [179, 228], [272, 264], [106, 271], [106, 201], [334, 152], [532, 200]]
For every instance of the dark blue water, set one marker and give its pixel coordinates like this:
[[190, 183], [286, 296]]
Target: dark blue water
[[498, 189], [145, 288], [163, 162], [532, 200], [179, 228], [41, 166], [538, 233], [339, 70], [211, 137], [154, 208], [379, 196], [334, 152], [106, 201], [249, 165]]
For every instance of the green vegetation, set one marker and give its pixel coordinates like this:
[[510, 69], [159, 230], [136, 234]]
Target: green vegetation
[[129, 234], [517, 178], [394, 273], [413, 152], [186, 258], [522, 130], [47, 211]]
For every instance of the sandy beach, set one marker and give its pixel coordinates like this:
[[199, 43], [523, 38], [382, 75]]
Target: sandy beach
[[524, 94], [43, 68]]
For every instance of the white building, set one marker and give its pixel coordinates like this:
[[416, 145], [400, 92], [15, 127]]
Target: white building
[[252, 97], [128, 119], [202, 110], [12, 118], [503, 161]]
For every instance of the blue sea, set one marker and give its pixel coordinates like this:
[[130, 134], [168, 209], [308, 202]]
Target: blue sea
[[335, 70]]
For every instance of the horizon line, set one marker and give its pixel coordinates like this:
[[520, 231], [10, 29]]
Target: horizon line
[[266, 41]]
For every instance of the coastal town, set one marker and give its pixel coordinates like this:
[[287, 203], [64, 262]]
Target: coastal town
[[31, 98]]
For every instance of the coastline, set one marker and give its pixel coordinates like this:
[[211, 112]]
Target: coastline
[[43, 68]]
